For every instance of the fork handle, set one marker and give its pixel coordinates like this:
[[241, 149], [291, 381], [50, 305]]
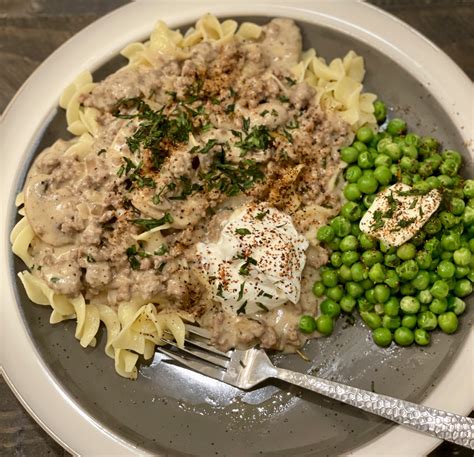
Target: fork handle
[[441, 424]]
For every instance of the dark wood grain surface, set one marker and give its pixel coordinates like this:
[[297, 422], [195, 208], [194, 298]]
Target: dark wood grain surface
[[31, 29]]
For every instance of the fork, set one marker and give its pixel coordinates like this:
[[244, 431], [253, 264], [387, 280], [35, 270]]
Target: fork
[[246, 369]]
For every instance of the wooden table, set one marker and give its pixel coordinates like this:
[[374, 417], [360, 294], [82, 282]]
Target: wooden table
[[31, 29]]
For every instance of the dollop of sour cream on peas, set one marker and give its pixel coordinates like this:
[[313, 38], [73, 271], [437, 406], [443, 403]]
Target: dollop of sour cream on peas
[[256, 263]]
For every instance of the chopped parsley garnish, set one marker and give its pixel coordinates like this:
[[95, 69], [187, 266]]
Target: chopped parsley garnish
[[378, 222], [90, 259], [262, 214], [134, 254], [220, 290], [264, 113], [161, 266], [241, 292], [290, 81], [289, 137], [242, 310], [403, 223], [101, 151], [283, 98], [230, 178], [244, 269], [162, 250], [229, 108], [207, 147], [293, 124], [262, 307], [242, 231], [54, 279], [132, 172], [149, 224], [257, 139], [187, 188]]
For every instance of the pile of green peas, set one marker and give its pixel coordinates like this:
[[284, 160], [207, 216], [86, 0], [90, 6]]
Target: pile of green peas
[[401, 293]]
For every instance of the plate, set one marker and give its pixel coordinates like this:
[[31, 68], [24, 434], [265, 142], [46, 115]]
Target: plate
[[169, 410]]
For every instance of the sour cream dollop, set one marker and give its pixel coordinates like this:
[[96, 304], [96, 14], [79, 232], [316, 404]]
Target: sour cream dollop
[[256, 263]]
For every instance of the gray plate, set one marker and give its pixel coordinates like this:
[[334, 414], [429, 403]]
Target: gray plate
[[172, 411]]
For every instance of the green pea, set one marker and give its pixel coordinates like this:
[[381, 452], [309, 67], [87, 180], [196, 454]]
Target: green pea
[[392, 280], [382, 293], [433, 246], [428, 145], [380, 111], [335, 293], [319, 289], [452, 155], [463, 288], [433, 182], [445, 256], [448, 322], [392, 307], [438, 305], [446, 269], [421, 280], [396, 126], [364, 304], [408, 150], [468, 188], [350, 257], [449, 167], [435, 160], [325, 233], [351, 192], [341, 226], [366, 241], [461, 272], [344, 274], [427, 320], [371, 257], [440, 289], [334, 243], [367, 200], [353, 173], [355, 229], [406, 251], [372, 320], [425, 170], [403, 336], [393, 151], [409, 321], [351, 211], [349, 243], [382, 337], [456, 305], [457, 206], [383, 160], [409, 305], [468, 216], [324, 325], [365, 134], [307, 324], [422, 337], [407, 289], [407, 270], [365, 160], [409, 164], [447, 219], [391, 260], [434, 277], [383, 174], [377, 273], [433, 226], [349, 154], [462, 257], [347, 303], [336, 259], [354, 289], [361, 147], [390, 322], [367, 184], [359, 272], [446, 181], [329, 278], [451, 241], [413, 139], [330, 308], [425, 297], [367, 284]]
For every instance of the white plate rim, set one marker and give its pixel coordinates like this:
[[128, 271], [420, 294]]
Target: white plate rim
[[86, 50]]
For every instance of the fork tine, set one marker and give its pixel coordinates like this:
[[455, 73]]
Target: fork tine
[[200, 354], [200, 367], [198, 331], [202, 344]]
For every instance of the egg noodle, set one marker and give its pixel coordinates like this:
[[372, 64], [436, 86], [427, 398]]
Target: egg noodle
[[136, 326]]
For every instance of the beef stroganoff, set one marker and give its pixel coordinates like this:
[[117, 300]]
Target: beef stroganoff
[[192, 190]]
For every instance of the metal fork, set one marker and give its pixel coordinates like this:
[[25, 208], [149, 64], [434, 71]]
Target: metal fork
[[246, 369]]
